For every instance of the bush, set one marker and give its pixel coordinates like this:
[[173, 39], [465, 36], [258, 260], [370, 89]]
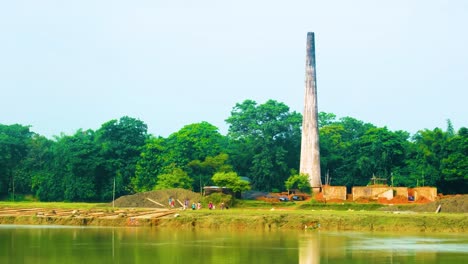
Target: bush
[[218, 198], [21, 198]]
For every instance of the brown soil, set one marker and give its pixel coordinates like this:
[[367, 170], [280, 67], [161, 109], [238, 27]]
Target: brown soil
[[269, 199], [359, 221], [319, 197], [449, 204], [161, 196], [102, 217], [396, 200], [141, 209]]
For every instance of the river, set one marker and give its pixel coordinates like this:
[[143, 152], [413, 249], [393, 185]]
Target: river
[[63, 244]]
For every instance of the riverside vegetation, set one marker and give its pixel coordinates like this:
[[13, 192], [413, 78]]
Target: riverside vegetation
[[262, 143], [255, 215]]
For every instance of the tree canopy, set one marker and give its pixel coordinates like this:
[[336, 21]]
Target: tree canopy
[[262, 143], [266, 140], [231, 180]]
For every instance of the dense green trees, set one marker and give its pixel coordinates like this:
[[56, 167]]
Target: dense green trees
[[14, 146], [438, 158], [263, 143], [231, 180], [454, 165], [176, 179], [196, 149], [152, 162], [298, 181], [266, 140], [120, 142]]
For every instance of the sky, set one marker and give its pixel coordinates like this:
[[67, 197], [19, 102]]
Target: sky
[[69, 65]]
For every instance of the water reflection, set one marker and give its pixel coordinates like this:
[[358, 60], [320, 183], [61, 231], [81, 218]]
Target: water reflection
[[309, 249], [352, 247], [45, 244]]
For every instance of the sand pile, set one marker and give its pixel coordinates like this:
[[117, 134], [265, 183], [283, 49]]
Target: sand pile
[[161, 196], [450, 204]]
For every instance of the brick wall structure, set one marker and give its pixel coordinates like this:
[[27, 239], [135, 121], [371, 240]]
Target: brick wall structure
[[429, 193], [372, 192], [334, 192]]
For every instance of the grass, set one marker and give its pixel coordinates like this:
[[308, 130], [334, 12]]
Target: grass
[[53, 205], [345, 206], [287, 218], [262, 204], [291, 215]]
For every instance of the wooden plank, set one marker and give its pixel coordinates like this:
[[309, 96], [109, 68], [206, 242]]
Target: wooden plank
[[180, 203], [151, 200]]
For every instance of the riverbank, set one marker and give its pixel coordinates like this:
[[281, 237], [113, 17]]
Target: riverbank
[[240, 219]]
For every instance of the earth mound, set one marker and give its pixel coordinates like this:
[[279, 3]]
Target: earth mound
[[451, 204], [158, 199]]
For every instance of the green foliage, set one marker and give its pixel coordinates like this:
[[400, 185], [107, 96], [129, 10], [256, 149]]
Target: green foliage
[[75, 162], [298, 181], [193, 142], [14, 147], [36, 161], [264, 142], [425, 156], [381, 151], [325, 119], [340, 151], [197, 149], [152, 163], [120, 142], [231, 180], [455, 164], [218, 198], [202, 171], [176, 179], [345, 206]]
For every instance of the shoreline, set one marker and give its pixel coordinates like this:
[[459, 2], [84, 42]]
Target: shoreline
[[257, 219]]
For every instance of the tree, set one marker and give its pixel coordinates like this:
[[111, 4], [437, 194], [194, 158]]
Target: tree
[[381, 151], [202, 171], [230, 180], [121, 142], [425, 156], [194, 142], [326, 119], [298, 181], [73, 174], [14, 146], [176, 179], [38, 161], [153, 162], [333, 149], [455, 165], [82, 160], [264, 142], [340, 153]]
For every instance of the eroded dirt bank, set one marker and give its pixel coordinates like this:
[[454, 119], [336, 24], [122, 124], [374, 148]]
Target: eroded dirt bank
[[151, 209], [266, 220]]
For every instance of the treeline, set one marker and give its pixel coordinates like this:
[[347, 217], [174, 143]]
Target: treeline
[[262, 143]]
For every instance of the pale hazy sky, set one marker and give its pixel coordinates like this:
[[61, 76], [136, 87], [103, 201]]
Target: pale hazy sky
[[66, 65]]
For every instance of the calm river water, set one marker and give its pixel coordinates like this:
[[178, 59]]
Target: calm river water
[[59, 244]]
